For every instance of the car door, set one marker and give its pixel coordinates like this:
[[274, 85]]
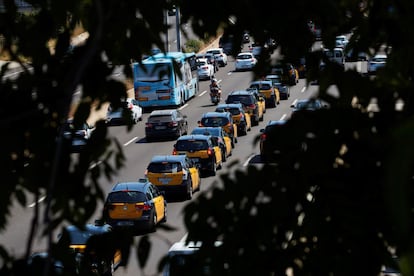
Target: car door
[[194, 173], [158, 200], [217, 152]]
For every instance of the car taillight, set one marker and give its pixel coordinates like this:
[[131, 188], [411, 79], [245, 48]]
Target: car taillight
[[263, 136], [174, 152], [252, 106], [149, 125], [172, 124], [130, 106], [142, 207], [210, 151]]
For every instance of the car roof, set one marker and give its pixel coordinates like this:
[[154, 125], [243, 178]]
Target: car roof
[[168, 158], [139, 186], [163, 112], [194, 137], [276, 122], [215, 114], [240, 92], [261, 81], [230, 105], [207, 130], [90, 228]]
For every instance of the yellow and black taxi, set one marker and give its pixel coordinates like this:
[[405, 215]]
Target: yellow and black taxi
[[176, 175], [84, 245], [289, 73], [268, 90], [220, 119], [203, 149], [252, 104], [139, 206], [220, 136], [240, 118]]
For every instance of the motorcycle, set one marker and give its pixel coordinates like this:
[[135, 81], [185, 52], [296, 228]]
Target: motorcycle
[[215, 95]]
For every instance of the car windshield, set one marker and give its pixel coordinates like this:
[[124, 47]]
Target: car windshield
[[191, 145], [126, 197], [80, 237], [164, 167], [214, 121]]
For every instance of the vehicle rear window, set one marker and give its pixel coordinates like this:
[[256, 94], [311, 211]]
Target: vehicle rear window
[[160, 118], [214, 121], [126, 197], [244, 99], [233, 111], [244, 57], [164, 167], [191, 145]]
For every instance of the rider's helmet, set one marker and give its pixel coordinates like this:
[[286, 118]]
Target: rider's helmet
[[213, 81]]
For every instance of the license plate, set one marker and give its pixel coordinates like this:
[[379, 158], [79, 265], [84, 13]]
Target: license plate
[[160, 127], [125, 223], [164, 180]]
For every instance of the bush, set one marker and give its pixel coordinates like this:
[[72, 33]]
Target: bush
[[193, 45]]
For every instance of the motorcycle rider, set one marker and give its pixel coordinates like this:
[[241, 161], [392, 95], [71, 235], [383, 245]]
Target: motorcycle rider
[[215, 88]]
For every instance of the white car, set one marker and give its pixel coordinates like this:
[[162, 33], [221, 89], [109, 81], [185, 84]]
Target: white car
[[118, 116], [378, 61], [245, 61], [205, 70], [220, 55]]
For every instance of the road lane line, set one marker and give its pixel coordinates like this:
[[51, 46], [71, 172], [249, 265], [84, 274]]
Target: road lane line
[[283, 116], [130, 141], [184, 106], [303, 89], [94, 165], [34, 203], [202, 93]]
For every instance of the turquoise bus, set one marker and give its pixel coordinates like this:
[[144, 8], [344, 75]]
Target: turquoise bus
[[165, 79]]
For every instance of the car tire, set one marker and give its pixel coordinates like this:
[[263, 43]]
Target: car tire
[[214, 168], [223, 155], [153, 227], [164, 219], [189, 194], [111, 269]]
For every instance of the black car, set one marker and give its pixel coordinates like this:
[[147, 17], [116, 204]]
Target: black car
[[269, 140], [250, 104], [166, 123]]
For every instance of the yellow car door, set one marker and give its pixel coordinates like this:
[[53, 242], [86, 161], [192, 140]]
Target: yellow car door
[[217, 153], [195, 177], [158, 200], [227, 142]]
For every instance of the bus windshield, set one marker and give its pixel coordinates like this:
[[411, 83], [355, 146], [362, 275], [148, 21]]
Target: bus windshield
[[153, 72]]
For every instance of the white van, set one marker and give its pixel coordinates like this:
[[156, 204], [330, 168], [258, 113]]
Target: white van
[[335, 55]]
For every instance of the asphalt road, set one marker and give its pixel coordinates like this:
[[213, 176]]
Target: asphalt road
[[138, 153]]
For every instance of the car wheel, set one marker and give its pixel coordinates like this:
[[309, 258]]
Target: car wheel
[[261, 118], [154, 222], [223, 155], [214, 168], [111, 269], [243, 132]]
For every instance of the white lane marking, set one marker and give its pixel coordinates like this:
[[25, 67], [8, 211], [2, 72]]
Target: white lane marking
[[283, 116], [229, 73], [202, 93], [130, 141], [303, 89], [294, 102], [34, 203], [248, 160], [182, 107], [94, 165]]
